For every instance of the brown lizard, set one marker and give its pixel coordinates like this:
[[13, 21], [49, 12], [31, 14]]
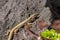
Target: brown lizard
[[20, 25]]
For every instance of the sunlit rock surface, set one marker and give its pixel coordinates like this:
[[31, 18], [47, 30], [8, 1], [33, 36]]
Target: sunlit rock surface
[[14, 11]]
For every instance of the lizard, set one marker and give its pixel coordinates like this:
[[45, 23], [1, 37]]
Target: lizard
[[20, 25]]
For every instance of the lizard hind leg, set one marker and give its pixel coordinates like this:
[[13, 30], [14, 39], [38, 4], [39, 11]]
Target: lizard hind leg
[[7, 33]]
